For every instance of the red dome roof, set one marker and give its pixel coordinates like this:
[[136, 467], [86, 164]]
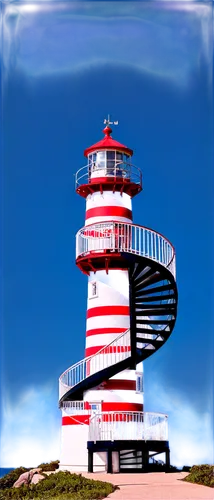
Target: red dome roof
[[108, 143]]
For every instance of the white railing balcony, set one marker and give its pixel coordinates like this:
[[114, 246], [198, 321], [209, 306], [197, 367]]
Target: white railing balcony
[[116, 351], [111, 426], [122, 170], [125, 237]]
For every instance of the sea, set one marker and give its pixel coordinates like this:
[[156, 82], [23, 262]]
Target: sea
[[5, 470]]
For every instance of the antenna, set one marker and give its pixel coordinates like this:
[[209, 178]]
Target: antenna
[[108, 122]]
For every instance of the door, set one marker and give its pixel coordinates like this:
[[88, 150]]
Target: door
[[96, 419]]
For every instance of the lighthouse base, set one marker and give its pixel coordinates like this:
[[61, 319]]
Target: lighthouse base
[[74, 454], [130, 456]]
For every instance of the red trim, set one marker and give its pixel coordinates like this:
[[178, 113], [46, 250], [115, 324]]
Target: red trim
[[118, 417], [121, 406], [90, 351], [109, 184], [118, 385], [108, 143], [75, 420], [114, 211], [108, 311], [99, 260], [103, 331]]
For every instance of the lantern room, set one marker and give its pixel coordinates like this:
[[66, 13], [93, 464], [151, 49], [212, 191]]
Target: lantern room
[[109, 167]]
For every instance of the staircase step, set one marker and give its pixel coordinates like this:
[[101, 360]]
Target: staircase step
[[163, 334], [156, 306], [156, 298], [149, 331], [155, 278], [161, 288], [154, 322], [153, 342], [134, 271], [155, 312], [144, 274]]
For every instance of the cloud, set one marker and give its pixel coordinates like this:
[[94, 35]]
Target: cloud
[[186, 429], [37, 424]]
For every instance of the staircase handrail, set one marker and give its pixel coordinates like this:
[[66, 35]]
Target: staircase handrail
[[101, 365]]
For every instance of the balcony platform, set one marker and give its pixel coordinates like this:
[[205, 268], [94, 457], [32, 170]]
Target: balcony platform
[[109, 184]]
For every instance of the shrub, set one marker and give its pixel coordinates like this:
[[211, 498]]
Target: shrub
[[51, 466], [186, 468], [60, 486], [201, 474]]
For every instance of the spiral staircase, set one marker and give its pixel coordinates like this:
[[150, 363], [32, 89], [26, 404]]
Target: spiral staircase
[[150, 259]]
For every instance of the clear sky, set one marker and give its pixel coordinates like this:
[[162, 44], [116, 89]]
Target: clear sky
[[65, 66]]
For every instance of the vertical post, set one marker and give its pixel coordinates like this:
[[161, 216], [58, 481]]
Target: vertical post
[[90, 461], [145, 459], [109, 461], [167, 458]]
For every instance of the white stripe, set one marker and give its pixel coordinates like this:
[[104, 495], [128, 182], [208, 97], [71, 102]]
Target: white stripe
[[100, 339], [108, 199], [113, 396], [110, 321], [106, 297]]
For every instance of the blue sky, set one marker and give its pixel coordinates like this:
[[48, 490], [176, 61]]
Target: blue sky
[[65, 66]]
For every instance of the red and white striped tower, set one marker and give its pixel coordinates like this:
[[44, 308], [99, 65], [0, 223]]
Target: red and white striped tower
[[108, 198], [131, 311]]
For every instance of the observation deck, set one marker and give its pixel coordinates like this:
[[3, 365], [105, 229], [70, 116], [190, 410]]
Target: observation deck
[[113, 175]]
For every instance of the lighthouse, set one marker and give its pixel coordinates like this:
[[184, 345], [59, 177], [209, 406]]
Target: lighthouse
[[131, 312]]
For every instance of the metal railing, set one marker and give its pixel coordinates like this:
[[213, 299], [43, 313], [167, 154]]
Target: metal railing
[[74, 407], [116, 351], [125, 237], [111, 426], [118, 169]]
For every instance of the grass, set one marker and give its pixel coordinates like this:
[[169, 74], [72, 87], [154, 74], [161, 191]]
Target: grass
[[201, 474], [60, 486]]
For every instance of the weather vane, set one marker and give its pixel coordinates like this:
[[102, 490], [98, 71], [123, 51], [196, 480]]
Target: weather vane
[[108, 122]]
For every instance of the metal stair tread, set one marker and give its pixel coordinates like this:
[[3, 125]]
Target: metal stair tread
[[162, 288], [156, 298]]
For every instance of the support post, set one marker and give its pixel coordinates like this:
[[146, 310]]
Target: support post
[[167, 458], [145, 459], [90, 461], [109, 461]]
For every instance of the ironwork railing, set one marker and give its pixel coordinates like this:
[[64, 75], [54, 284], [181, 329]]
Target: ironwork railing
[[76, 408], [111, 426], [117, 170], [116, 351], [125, 237]]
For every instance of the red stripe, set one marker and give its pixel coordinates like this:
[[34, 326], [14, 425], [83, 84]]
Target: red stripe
[[108, 311], [118, 385], [111, 349], [109, 211], [121, 406], [76, 420], [103, 331], [121, 417]]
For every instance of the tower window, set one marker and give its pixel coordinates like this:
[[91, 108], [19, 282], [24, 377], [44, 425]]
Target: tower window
[[93, 290], [101, 159], [110, 162], [139, 383]]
